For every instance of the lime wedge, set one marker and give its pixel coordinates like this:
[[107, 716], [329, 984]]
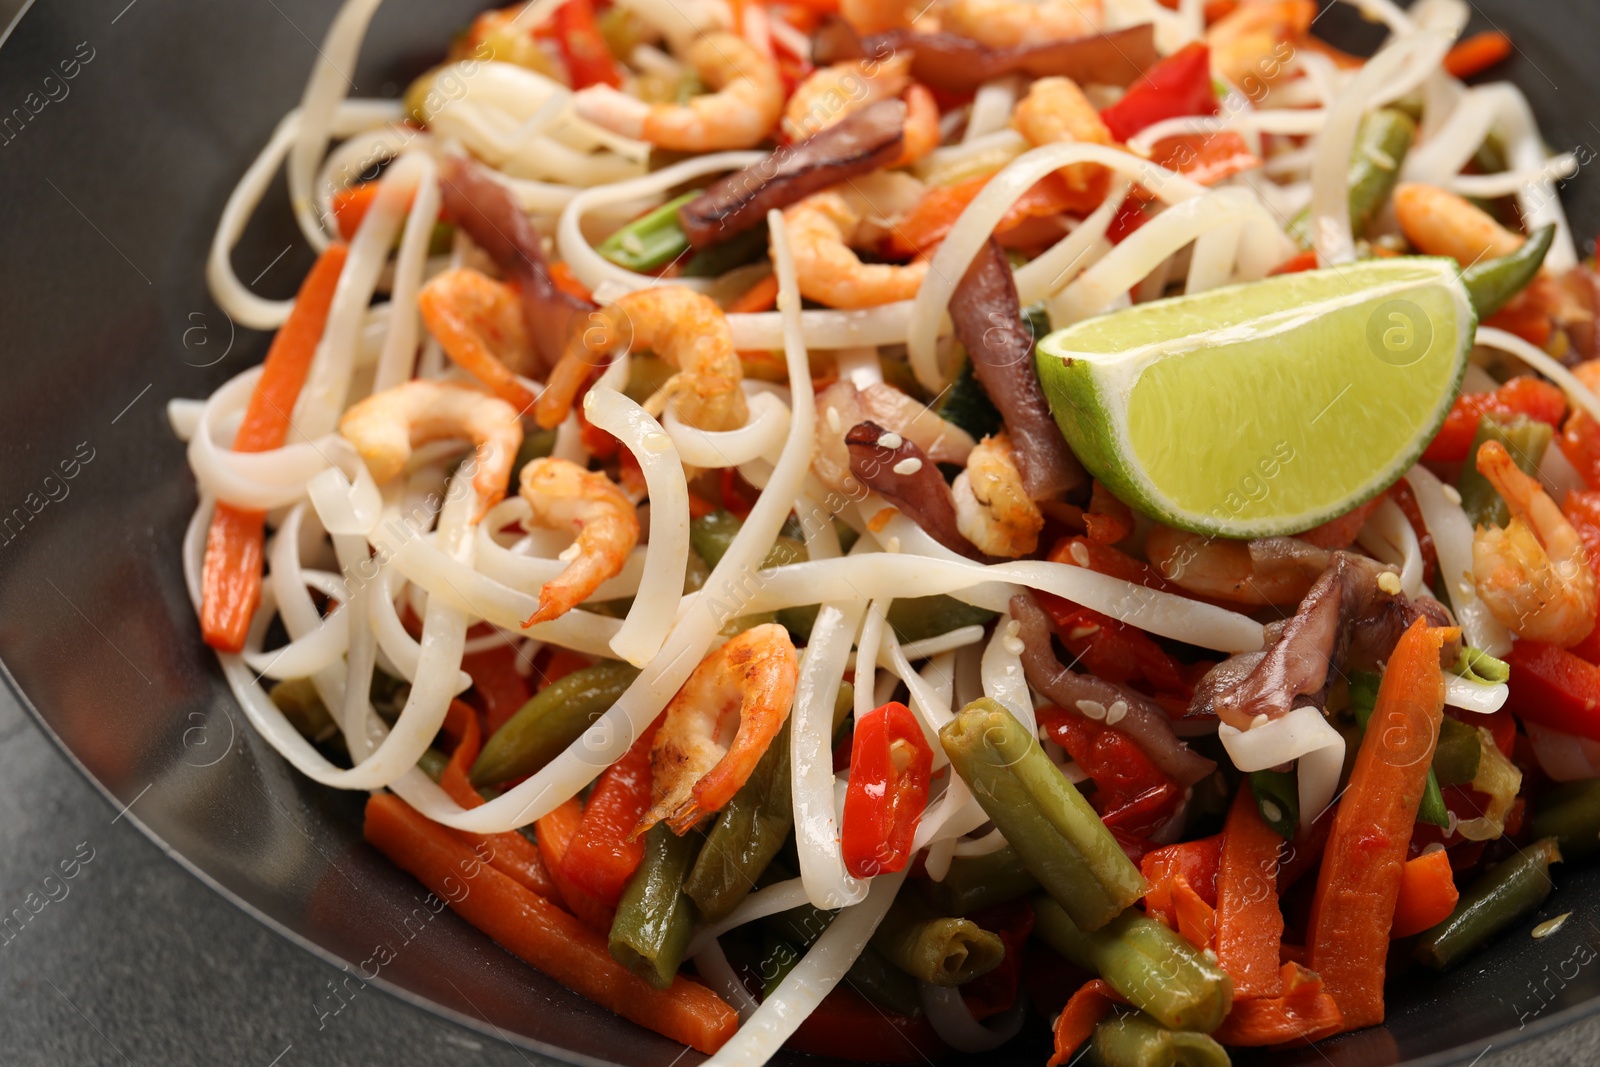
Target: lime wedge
[[1269, 407]]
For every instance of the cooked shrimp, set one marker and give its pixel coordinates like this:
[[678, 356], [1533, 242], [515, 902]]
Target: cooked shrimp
[[504, 35], [684, 329], [386, 426], [1056, 111], [1533, 574], [1253, 44], [831, 93], [822, 228], [922, 125], [563, 495], [993, 510], [478, 322], [875, 16], [748, 99], [1440, 223], [1230, 571], [1003, 23], [695, 768]]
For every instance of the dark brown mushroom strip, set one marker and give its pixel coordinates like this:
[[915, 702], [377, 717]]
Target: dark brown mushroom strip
[[959, 64], [988, 323], [485, 210], [858, 144], [1146, 722], [918, 489]]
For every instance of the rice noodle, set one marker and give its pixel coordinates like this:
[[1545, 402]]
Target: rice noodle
[[954, 1023], [260, 480], [1474, 696], [1303, 735], [768, 900], [1547, 365], [1063, 261], [397, 359], [711, 449], [1452, 539], [1564, 757], [1002, 673], [991, 108], [1389, 537]]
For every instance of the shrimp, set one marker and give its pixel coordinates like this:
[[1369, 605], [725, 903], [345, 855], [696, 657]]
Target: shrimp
[[922, 125], [993, 510], [1533, 574], [386, 426], [831, 93], [478, 322], [695, 768], [1278, 570], [1440, 223], [740, 114], [1004, 23], [504, 35], [683, 328], [1255, 43], [1056, 111], [876, 16], [822, 228], [563, 494]]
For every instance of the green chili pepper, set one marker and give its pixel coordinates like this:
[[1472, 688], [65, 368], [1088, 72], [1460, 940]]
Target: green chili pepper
[[1570, 813], [1496, 901], [654, 920], [1476, 665], [748, 833], [1155, 969], [1493, 282], [1431, 809], [1526, 440], [1381, 145], [1278, 798], [652, 241], [1059, 836], [939, 949], [555, 717], [1455, 758], [919, 617], [871, 975], [977, 882], [1136, 1040]]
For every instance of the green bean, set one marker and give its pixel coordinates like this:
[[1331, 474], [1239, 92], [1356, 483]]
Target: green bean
[[1431, 809], [1155, 969], [298, 700], [919, 617], [750, 830], [968, 406], [778, 958], [1455, 757], [1492, 283], [1059, 836], [940, 949], [1277, 797], [1136, 1040], [646, 376], [655, 920], [1525, 439], [1381, 145], [871, 975], [433, 763], [551, 720], [977, 882], [1476, 665], [651, 241], [711, 535], [535, 445], [738, 251], [1496, 901], [1570, 813]]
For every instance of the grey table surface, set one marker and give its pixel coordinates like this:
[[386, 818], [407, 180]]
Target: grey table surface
[[139, 963]]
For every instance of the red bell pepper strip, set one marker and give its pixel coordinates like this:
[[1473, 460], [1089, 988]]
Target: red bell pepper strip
[[230, 582], [555, 832], [1131, 793], [1196, 862], [848, 1026], [532, 928], [1076, 1023], [1197, 920], [1295, 264], [1249, 922], [995, 992], [1523, 395], [498, 687], [604, 854], [1113, 650], [1178, 85], [1580, 437], [1427, 894], [1304, 1012], [890, 767], [1552, 687], [1477, 54], [589, 61], [1207, 158]]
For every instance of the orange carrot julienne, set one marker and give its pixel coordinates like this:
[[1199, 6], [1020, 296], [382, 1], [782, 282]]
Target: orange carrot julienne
[[1197, 920], [350, 206], [513, 855], [1362, 864], [762, 296], [537, 931], [555, 832], [230, 584], [1478, 53], [562, 277], [1195, 861], [1076, 1023], [1304, 1012], [1427, 894], [1249, 923]]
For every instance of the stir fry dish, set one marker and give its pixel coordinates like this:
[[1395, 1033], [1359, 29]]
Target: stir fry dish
[[866, 527]]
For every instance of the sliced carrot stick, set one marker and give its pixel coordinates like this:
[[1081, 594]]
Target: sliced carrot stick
[[568, 282], [1427, 894], [1305, 1012], [1197, 920], [1249, 924], [1195, 861], [1478, 53], [1362, 864], [510, 852], [555, 832], [1077, 1020], [762, 296], [532, 928], [230, 584], [603, 854]]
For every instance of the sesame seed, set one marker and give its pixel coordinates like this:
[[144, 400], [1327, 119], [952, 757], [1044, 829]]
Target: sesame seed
[[892, 545], [657, 442], [1092, 709], [1116, 712], [1452, 494], [1013, 628], [1013, 645], [890, 439], [1259, 720], [1389, 582], [1272, 812], [832, 415], [909, 465], [1079, 554], [570, 553]]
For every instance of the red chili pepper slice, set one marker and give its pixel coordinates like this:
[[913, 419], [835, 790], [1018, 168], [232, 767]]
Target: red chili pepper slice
[[1554, 688], [589, 61], [890, 765], [1523, 395], [1178, 85], [1131, 793]]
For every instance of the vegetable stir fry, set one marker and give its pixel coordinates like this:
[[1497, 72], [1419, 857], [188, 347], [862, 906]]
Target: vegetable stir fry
[[869, 527]]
